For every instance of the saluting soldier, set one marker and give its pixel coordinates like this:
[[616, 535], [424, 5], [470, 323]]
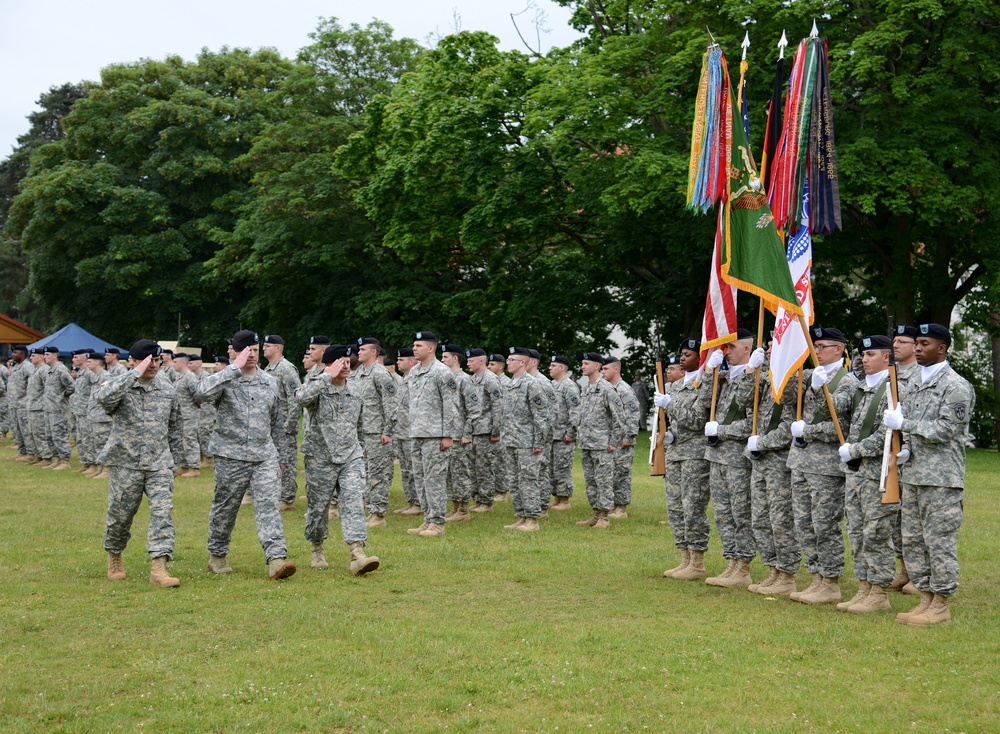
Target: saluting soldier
[[286, 375], [460, 460], [565, 418], [612, 372], [602, 430], [378, 413], [485, 430], [401, 442]]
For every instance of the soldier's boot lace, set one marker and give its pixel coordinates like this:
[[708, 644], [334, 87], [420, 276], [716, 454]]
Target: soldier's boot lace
[[116, 570]]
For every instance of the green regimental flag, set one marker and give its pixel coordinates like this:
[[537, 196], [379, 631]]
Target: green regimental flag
[[753, 256]]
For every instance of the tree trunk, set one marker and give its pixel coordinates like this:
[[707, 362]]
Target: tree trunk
[[995, 341]]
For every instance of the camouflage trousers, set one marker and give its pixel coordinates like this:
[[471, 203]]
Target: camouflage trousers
[[93, 442], [623, 475], [869, 529], [486, 468], [288, 455], [313, 480], [15, 430], [896, 521], [206, 423], [233, 479], [190, 457], [674, 501], [350, 478], [932, 517], [403, 450], [125, 490], [460, 468], [772, 518], [24, 428], [430, 476], [379, 469], [730, 489], [525, 492], [562, 468], [545, 483], [39, 423], [78, 429], [58, 429], [4, 415], [599, 478], [818, 504]]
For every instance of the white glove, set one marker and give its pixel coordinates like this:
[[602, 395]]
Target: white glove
[[819, 378], [756, 358], [845, 452], [902, 457], [712, 428], [798, 428], [660, 400], [752, 443], [715, 359], [668, 438], [893, 419]]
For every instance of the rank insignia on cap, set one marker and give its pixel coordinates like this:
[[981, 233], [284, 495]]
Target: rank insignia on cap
[[867, 341]]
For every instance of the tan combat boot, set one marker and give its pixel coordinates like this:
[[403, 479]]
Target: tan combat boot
[[863, 590], [104, 473], [434, 530], [360, 563], [936, 613], [530, 525], [499, 497], [816, 578], [116, 570], [280, 568], [618, 513], [716, 580], [334, 512], [910, 589], [876, 601], [318, 559], [603, 523], [784, 584], [158, 575], [901, 579], [411, 511], [461, 513], [247, 499], [685, 560], [63, 465], [561, 503], [91, 470], [47, 463], [589, 523], [376, 521], [772, 575], [516, 524], [285, 506], [417, 531], [480, 508], [205, 463], [739, 577], [828, 592], [926, 598], [695, 570], [454, 509], [219, 564], [190, 473]]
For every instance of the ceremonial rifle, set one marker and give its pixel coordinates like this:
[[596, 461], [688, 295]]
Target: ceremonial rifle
[[657, 448], [889, 480], [826, 390]]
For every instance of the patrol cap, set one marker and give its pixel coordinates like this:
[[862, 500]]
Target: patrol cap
[[611, 359], [335, 352], [319, 340], [453, 349], [273, 339], [690, 344], [404, 352], [50, 349], [904, 330], [520, 351], [829, 334], [742, 333], [220, 360], [245, 338], [497, 358], [425, 336], [142, 349], [876, 341], [559, 359], [99, 356], [477, 352], [935, 331], [534, 354], [369, 340], [592, 357]]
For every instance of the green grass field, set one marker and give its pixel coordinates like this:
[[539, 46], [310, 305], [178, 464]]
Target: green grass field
[[565, 630]]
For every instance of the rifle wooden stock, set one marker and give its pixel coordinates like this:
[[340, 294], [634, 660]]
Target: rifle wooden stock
[[659, 466]]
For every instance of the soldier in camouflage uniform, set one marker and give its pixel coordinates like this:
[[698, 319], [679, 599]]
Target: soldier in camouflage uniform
[[58, 389], [167, 365], [78, 401], [771, 485], [497, 365], [869, 523], [4, 412], [485, 430], [729, 469], [17, 396], [286, 375], [112, 358], [401, 442], [904, 345], [524, 433], [934, 420], [378, 413], [817, 479], [312, 360], [545, 472], [601, 431], [565, 417], [186, 387], [247, 426], [337, 458], [461, 460], [434, 419], [206, 416], [37, 419], [144, 434], [97, 419], [624, 456]]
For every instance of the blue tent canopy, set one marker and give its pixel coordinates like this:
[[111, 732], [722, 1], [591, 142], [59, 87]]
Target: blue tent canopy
[[71, 337]]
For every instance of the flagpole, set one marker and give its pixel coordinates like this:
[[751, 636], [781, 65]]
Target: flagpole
[[713, 440], [756, 374], [826, 391]]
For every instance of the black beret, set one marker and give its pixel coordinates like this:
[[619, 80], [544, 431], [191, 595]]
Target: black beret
[[50, 349], [477, 352], [497, 358], [81, 351], [229, 342], [876, 341], [534, 354], [611, 359], [382, 352], [521, 351], [181, 355], [245, 338], [904, 330], [690, 344], [829, 334], [335, 352], [319, 340], [273, 339], [194, 357], [674, 360], [404, 352], [453, 349], [936, 331], [369, 340], [559, 359], [744, 334], [592, 357], [169, 351], [99, 356], [220, 360], [770, 336], [142, 349], [425, 336], [34, 350]]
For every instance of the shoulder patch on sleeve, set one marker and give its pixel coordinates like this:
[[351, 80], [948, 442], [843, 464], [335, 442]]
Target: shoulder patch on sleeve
[[961, 410]]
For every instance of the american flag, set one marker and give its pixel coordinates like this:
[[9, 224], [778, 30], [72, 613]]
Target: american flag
[[719, 324]]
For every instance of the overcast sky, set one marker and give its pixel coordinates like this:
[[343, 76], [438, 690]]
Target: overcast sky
[[51, 42]]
